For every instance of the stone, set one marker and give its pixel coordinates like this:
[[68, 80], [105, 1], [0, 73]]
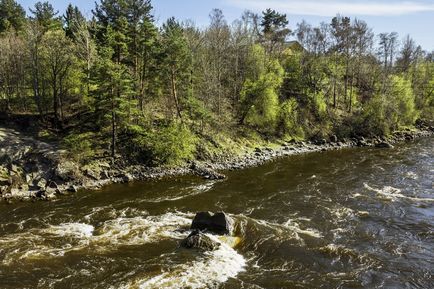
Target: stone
[[206, 173], [52, 185], [67, 170], [72, 189], [334, 139], [126, 178], [105, 175], [384, 145], [218, 223], [198, 240], [92, 174], [41, 183], [362, 143], [14, 169], [4, 189]]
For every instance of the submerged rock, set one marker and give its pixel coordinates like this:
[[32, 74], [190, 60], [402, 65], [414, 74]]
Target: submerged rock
[[218, 223], [198, 240]]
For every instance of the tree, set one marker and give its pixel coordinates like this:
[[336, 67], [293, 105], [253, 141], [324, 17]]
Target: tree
[[12, 15], [176, 62], [217, 39], [58, 60], [12, 69], [112, 92], [45, 15], [406, 55], [73, 21], [259, 96], [274, 29]]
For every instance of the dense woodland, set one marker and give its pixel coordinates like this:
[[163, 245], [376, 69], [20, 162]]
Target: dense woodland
[[119, 85]]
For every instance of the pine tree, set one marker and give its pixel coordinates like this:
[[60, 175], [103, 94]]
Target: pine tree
[[12, 15]]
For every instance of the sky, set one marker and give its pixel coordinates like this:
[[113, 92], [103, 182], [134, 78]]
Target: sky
[[413, 17]]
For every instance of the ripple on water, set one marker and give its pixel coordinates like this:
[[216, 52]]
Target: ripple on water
[[58, 240], [208, 271], [390, 193]]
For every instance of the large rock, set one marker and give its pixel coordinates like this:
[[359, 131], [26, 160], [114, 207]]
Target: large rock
[[218, 223], [67, 170], [198, 240]]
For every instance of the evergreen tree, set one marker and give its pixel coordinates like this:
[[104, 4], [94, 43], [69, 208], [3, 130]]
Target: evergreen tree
[[12, 15], [45, 15], [175, 63]]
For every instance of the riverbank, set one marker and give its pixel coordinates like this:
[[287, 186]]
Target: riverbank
[[31, 169]]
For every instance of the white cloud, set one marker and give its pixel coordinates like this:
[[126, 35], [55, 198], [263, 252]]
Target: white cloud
[[331, 8]]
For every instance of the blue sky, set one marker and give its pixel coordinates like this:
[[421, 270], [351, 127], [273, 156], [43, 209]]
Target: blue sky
[[414, 17]]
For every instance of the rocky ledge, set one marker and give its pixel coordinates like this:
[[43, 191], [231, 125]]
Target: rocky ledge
[[35, 170]]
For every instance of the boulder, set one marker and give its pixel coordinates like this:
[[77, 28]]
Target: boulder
[[52, 185], [41, 183], [105, 175], [384, 145], [334, 139], [198, 240], [218, 223], [67, 171], [72, 189], [92, 174], [321, 142], [362, 143]]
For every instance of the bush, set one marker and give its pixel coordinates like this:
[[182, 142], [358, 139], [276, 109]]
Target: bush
[[171, 144], [391, 110], [79, 147], [289, 119]]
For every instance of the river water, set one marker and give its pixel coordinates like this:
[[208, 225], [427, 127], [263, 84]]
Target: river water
[[355, 218]]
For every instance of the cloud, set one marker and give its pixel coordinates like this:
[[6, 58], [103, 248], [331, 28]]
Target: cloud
[[331, 8]]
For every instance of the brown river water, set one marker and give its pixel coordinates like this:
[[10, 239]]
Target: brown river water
[[355, 218]]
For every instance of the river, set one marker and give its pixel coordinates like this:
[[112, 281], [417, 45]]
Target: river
[[355, 218]]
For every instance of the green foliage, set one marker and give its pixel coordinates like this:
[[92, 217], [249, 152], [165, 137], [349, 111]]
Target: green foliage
[[259, 97], [288, 118], [152, 91], [79, 147], [171, 144], [12, 15], [391, 110], [45, 15]]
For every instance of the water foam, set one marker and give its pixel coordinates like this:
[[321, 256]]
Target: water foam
[[213, 268], [393, 194], [57, 240]]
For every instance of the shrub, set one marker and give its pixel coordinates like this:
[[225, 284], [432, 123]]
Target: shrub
[[79, 147], [166, 145]]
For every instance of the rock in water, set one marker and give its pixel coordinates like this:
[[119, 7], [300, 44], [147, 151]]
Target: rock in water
[[384, 145], [219, 223], [198, 240]]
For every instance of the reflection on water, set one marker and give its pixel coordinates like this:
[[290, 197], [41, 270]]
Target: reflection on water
[[357, 218]]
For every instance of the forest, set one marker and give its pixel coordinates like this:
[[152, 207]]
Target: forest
[[118, 85]]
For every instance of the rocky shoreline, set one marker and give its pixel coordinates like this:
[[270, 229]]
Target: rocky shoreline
[[33, 170]]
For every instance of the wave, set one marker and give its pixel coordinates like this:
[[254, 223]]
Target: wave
[[213, 268], [393, 194], [57, 240]]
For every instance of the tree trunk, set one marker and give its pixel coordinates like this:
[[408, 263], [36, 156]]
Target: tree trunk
[[175, 94]]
